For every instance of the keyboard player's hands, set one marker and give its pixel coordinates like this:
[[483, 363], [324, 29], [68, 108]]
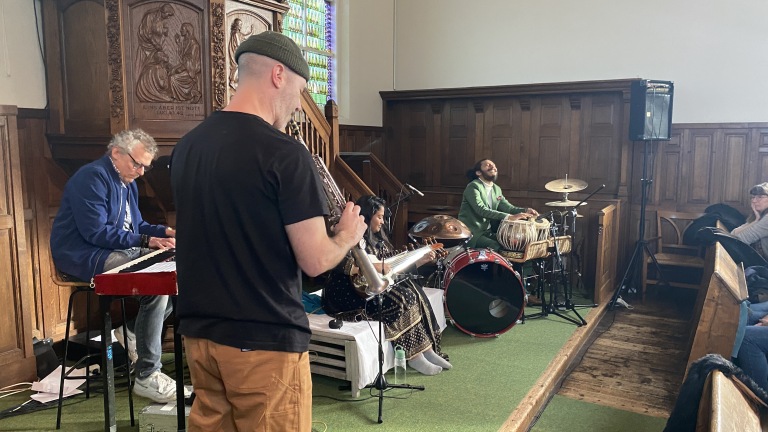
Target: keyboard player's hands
[[162, 243]]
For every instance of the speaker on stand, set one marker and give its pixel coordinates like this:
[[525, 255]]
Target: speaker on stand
[[650, 119]]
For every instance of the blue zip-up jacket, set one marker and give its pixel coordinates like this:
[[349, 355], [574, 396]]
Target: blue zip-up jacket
[[89, 224]]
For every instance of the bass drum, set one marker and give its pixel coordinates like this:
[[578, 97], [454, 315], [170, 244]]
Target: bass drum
[[484, 295]]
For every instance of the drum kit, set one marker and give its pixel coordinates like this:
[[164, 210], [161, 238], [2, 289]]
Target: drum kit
[[484, 292]]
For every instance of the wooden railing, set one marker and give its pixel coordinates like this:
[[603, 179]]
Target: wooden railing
[[385, 185], [321, 133]]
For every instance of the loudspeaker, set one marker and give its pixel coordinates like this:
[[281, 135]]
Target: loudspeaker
[[650, 110]]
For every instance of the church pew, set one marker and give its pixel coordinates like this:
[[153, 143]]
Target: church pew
[[715, 317]]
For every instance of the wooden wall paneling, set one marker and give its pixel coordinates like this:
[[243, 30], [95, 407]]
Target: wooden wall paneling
[[576, 152], [549, 145], [28, 131], [731, 167], [625, 180], [666, 158], [17, 358], [696, 182], [53, 59], [362, 139], [459, 136], [501, 143], [760, 173], [599, 156], [85, 68], [410, 162]]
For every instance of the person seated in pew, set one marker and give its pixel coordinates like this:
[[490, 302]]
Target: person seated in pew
[[406, 313], [755, 231], [752, 356], [99, 227], [483, 206]]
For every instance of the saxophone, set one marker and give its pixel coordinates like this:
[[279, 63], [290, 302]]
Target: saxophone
[[336, 203]]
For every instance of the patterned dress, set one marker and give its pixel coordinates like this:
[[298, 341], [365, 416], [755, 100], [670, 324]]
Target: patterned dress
[[406, 314]]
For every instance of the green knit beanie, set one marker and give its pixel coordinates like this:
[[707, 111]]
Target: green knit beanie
[[276, 46]]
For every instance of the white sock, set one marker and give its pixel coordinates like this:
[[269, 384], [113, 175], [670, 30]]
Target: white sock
[[423, 366], [435, 359]]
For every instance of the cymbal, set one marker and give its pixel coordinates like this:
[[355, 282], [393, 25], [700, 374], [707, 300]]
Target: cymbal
[[564, 203], [441, 227], [566, 185]]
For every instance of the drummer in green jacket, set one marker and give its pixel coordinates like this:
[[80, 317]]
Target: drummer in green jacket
[[483, 206]]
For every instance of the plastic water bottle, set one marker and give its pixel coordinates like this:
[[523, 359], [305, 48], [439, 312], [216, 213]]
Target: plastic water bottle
[[400, 366]]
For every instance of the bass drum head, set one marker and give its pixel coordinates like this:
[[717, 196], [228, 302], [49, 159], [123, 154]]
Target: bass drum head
[[484, 295]]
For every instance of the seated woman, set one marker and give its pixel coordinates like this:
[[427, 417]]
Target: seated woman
[[755, 231], [406, 314]]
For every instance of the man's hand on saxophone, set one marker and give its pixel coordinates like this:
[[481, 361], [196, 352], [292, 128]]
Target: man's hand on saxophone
[[351, 225], [310, 236]]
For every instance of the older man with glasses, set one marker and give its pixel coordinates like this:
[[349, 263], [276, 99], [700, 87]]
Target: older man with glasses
[[99, 227]]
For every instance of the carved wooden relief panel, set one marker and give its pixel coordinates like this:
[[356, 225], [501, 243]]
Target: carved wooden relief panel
[[241, 23], [166, 65]]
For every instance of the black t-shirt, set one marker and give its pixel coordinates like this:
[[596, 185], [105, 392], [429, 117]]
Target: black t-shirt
[[237, 181]]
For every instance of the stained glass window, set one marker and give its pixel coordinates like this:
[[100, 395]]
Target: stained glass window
[[310, 24]]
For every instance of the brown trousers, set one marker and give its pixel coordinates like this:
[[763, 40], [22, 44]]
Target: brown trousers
[[236, 390]]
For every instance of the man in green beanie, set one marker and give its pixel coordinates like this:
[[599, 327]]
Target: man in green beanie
[[250, 218]]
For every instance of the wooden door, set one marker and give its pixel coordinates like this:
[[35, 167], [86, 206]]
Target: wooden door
[[17, 360]]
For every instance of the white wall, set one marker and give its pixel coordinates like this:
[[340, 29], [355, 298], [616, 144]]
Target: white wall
[[714, 51], [22, 76]]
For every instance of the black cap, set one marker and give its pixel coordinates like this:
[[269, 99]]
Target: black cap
[[276, 46]]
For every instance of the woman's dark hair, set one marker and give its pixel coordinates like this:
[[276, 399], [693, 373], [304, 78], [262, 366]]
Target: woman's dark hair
[[369, 205], [471, 173]]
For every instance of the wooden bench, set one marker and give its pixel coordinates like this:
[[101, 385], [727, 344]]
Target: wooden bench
[[715, 318], [727, 405]]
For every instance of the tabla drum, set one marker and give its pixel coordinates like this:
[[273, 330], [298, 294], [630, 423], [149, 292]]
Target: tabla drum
[[542, 229], [484, 295], [515, 235]]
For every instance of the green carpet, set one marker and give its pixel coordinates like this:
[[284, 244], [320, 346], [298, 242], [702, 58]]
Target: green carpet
[[490, 377], [565, 414]]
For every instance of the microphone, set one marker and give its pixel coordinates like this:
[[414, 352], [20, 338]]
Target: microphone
[[540, 217], [413, 189]]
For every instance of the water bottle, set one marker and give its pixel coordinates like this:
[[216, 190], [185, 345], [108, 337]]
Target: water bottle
[[400, 366]]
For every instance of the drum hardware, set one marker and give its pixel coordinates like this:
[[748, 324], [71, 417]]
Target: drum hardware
[[560, 245]]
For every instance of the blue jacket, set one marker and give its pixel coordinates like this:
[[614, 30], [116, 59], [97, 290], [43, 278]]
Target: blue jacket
[[89, 224]]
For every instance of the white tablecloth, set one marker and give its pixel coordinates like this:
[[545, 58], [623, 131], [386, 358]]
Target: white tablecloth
[[366, 333]]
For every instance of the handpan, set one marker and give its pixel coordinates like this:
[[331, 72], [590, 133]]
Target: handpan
[[441, 227]]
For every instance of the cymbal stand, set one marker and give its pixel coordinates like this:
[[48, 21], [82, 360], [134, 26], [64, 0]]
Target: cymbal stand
[[553, 308], [380, 382], [574, 214]]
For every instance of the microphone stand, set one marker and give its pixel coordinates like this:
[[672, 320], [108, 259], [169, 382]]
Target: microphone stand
[[380, 382]]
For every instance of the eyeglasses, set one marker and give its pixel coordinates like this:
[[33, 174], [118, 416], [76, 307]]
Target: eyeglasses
[[137, 166], [757, 197]]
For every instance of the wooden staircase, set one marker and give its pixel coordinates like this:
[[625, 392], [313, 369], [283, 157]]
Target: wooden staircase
[[356, 174]]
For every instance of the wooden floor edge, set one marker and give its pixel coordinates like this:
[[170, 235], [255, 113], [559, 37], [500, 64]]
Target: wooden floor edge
[[521, 418]]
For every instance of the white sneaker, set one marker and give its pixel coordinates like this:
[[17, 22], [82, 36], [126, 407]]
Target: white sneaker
[[133, 356], [159, 387]]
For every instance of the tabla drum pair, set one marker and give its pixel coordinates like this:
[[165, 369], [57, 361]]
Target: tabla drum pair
[[516, 235], [484, 295]]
